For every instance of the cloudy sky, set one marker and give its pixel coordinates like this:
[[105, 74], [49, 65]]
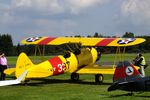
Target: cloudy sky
[[25, 18]]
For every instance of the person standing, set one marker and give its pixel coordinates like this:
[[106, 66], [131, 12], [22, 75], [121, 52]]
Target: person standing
[[140, 61], [135, 60], [3, 65]]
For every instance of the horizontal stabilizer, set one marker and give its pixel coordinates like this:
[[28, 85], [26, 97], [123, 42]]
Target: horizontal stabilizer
[[10, 71], [127, 86], [13, 82]]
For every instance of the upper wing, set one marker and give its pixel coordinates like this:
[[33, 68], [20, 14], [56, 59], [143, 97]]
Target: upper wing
[[84, 41], [96, 69]]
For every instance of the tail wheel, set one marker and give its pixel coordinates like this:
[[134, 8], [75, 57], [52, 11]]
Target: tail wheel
[[74, 77], [26, 82], [99, 78]]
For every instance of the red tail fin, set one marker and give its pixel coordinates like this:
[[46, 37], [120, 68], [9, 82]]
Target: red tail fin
[[125, 71]]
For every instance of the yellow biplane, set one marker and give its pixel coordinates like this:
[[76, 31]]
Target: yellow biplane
[[81, 61]]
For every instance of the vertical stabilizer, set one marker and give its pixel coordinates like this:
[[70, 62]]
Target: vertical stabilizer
[[125, 71], [23, 63]]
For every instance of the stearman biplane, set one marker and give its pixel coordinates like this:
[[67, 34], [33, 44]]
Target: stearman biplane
[[80, 61]]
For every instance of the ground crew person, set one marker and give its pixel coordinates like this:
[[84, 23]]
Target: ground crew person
[[140, 61]]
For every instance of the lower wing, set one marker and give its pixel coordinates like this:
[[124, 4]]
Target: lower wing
[[96, 69]]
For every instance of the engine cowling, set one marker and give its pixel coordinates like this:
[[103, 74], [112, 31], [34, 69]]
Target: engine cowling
[[87, 56]]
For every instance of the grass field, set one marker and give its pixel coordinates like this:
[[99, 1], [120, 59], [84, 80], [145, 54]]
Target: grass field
[[61, 88]]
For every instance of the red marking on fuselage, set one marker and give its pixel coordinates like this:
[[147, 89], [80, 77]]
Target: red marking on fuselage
[[57, 64], [105, 42], [46, 40]]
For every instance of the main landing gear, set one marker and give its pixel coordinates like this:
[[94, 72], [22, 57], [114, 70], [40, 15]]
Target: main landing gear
[[98, 78], [74, 76]]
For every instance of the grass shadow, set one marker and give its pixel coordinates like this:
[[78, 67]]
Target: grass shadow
[[129, 94], [40, 82]]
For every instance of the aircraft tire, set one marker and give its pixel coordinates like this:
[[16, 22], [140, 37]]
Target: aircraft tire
[[74, 76], [99, 78]]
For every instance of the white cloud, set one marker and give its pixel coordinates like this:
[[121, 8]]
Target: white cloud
[[55, 6], [25, 13], [75, 6], [21, 3], [23, 10], [137, 11], [40, 6], [41, 17], [50, 26], [4, 14]]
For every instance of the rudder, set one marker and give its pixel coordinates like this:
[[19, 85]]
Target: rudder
[[125, 71], [23, 63]]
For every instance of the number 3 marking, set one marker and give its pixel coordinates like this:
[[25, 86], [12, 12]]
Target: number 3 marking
[[60, 66]]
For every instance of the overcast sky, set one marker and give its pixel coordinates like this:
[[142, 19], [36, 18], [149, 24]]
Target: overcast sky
[[25, 18]]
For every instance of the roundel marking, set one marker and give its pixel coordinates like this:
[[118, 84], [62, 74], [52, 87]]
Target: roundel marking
[[126, 41], [33, 39], [129, 70]]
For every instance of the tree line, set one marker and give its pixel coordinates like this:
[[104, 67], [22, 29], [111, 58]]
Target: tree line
[[7, 46]]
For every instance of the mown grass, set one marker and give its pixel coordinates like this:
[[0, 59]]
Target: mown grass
[[61, 88]]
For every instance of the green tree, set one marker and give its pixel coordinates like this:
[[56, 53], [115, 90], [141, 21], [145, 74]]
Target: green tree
[[128, 35], [144, 47], [96, 34], [6, 44]]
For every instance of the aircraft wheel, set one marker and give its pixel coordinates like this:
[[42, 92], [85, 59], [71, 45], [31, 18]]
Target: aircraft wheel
[[74, 77], [99, 78]]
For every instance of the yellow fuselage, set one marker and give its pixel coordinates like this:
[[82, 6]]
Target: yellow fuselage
[[59, 64]]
